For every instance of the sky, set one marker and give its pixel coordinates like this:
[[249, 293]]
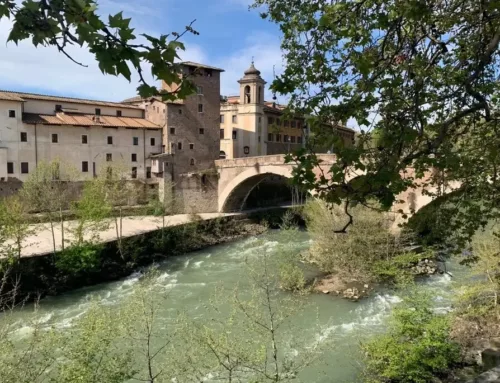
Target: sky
[[230, 35]]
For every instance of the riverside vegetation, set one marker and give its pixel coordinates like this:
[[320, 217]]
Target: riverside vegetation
[[106, 345]]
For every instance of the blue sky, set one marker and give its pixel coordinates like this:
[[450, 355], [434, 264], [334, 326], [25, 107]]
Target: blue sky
[[230, 35]]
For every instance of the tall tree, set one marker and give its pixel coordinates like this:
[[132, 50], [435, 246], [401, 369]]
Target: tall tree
[[48, 191], [116, 47], [421, 74]]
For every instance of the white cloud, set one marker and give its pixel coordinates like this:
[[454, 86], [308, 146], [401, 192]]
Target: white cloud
[[25, 67], [265, 50]]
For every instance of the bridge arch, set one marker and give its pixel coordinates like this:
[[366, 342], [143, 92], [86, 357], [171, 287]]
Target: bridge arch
[[237, 191]]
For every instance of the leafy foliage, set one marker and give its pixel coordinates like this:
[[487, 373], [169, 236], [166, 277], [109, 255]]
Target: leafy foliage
[[419, 78], [416, 349], [78, 258], [115, 45], [353, 253]]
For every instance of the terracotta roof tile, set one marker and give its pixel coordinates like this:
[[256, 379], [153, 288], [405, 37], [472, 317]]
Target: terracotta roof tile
[[20, 96], [10, 96], [88, 120]]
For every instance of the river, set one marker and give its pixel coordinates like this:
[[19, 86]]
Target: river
[[191, 279]]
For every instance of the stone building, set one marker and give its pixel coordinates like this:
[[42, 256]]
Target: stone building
[[85, 134], [251, 126], [190, 139]]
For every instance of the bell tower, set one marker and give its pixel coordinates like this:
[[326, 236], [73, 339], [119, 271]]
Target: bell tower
[[252, 87], [251, 141]]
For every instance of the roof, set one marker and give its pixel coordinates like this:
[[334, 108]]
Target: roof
[[88, 120], [157, 98], [10, 96], [252, 71], [198, 65], [20, 96]]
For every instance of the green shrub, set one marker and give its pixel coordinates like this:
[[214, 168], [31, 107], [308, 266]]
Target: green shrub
[[291, 277], [82, 257], [397, 269], [416, 349], [368, 240]]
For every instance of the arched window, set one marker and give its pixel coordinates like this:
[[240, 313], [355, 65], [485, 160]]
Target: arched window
[[258, 95], [222, 155], [191, 162], [247, 95]]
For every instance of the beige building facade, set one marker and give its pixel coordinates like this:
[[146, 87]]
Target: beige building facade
[[251, 126], [85, 134]]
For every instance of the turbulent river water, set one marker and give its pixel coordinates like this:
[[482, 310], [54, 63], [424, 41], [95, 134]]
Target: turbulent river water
[[191, 279]]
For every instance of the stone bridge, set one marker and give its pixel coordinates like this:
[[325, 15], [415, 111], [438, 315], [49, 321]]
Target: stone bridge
[[240, 176]]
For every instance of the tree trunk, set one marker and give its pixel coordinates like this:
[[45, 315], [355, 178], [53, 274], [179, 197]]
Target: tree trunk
[[62, 227], [53, 235]]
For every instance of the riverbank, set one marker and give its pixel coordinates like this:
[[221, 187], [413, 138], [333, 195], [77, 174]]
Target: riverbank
[[32, 278], [189, 283]]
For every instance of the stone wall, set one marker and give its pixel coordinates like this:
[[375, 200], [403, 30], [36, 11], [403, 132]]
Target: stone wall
[[196, 193], [10, 187]]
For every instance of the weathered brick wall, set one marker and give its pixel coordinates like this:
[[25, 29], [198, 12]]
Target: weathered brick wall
[[187, 121], [196, 193]]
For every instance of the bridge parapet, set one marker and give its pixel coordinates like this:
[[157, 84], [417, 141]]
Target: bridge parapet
[[277, 159]]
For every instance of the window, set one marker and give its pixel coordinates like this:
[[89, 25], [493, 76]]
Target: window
[[285, 124], [55, 138], [234, 118], [172, 130], [246, 150], [153, 141], [12, 113], [134, 172], [269, 137], [293, 124], [278, 138], [199, 90], [85, 139], [202, 131], [179, 145], [285, 138], [258, 95], [247, 95], [85, 167], [110, 140], [97, 111], [191, 146], [191, 162], [58, 108], [235, 134], [118, 113], [200, 108], [270, 120], [292, 138], [24, 137], [208, 72], [299, 140], [221, 118], [221, 134], [24, 168], [222, 155], [134, 157], [278, 122], [10, 167], [135, 140], [109, 157], [148, 172]]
